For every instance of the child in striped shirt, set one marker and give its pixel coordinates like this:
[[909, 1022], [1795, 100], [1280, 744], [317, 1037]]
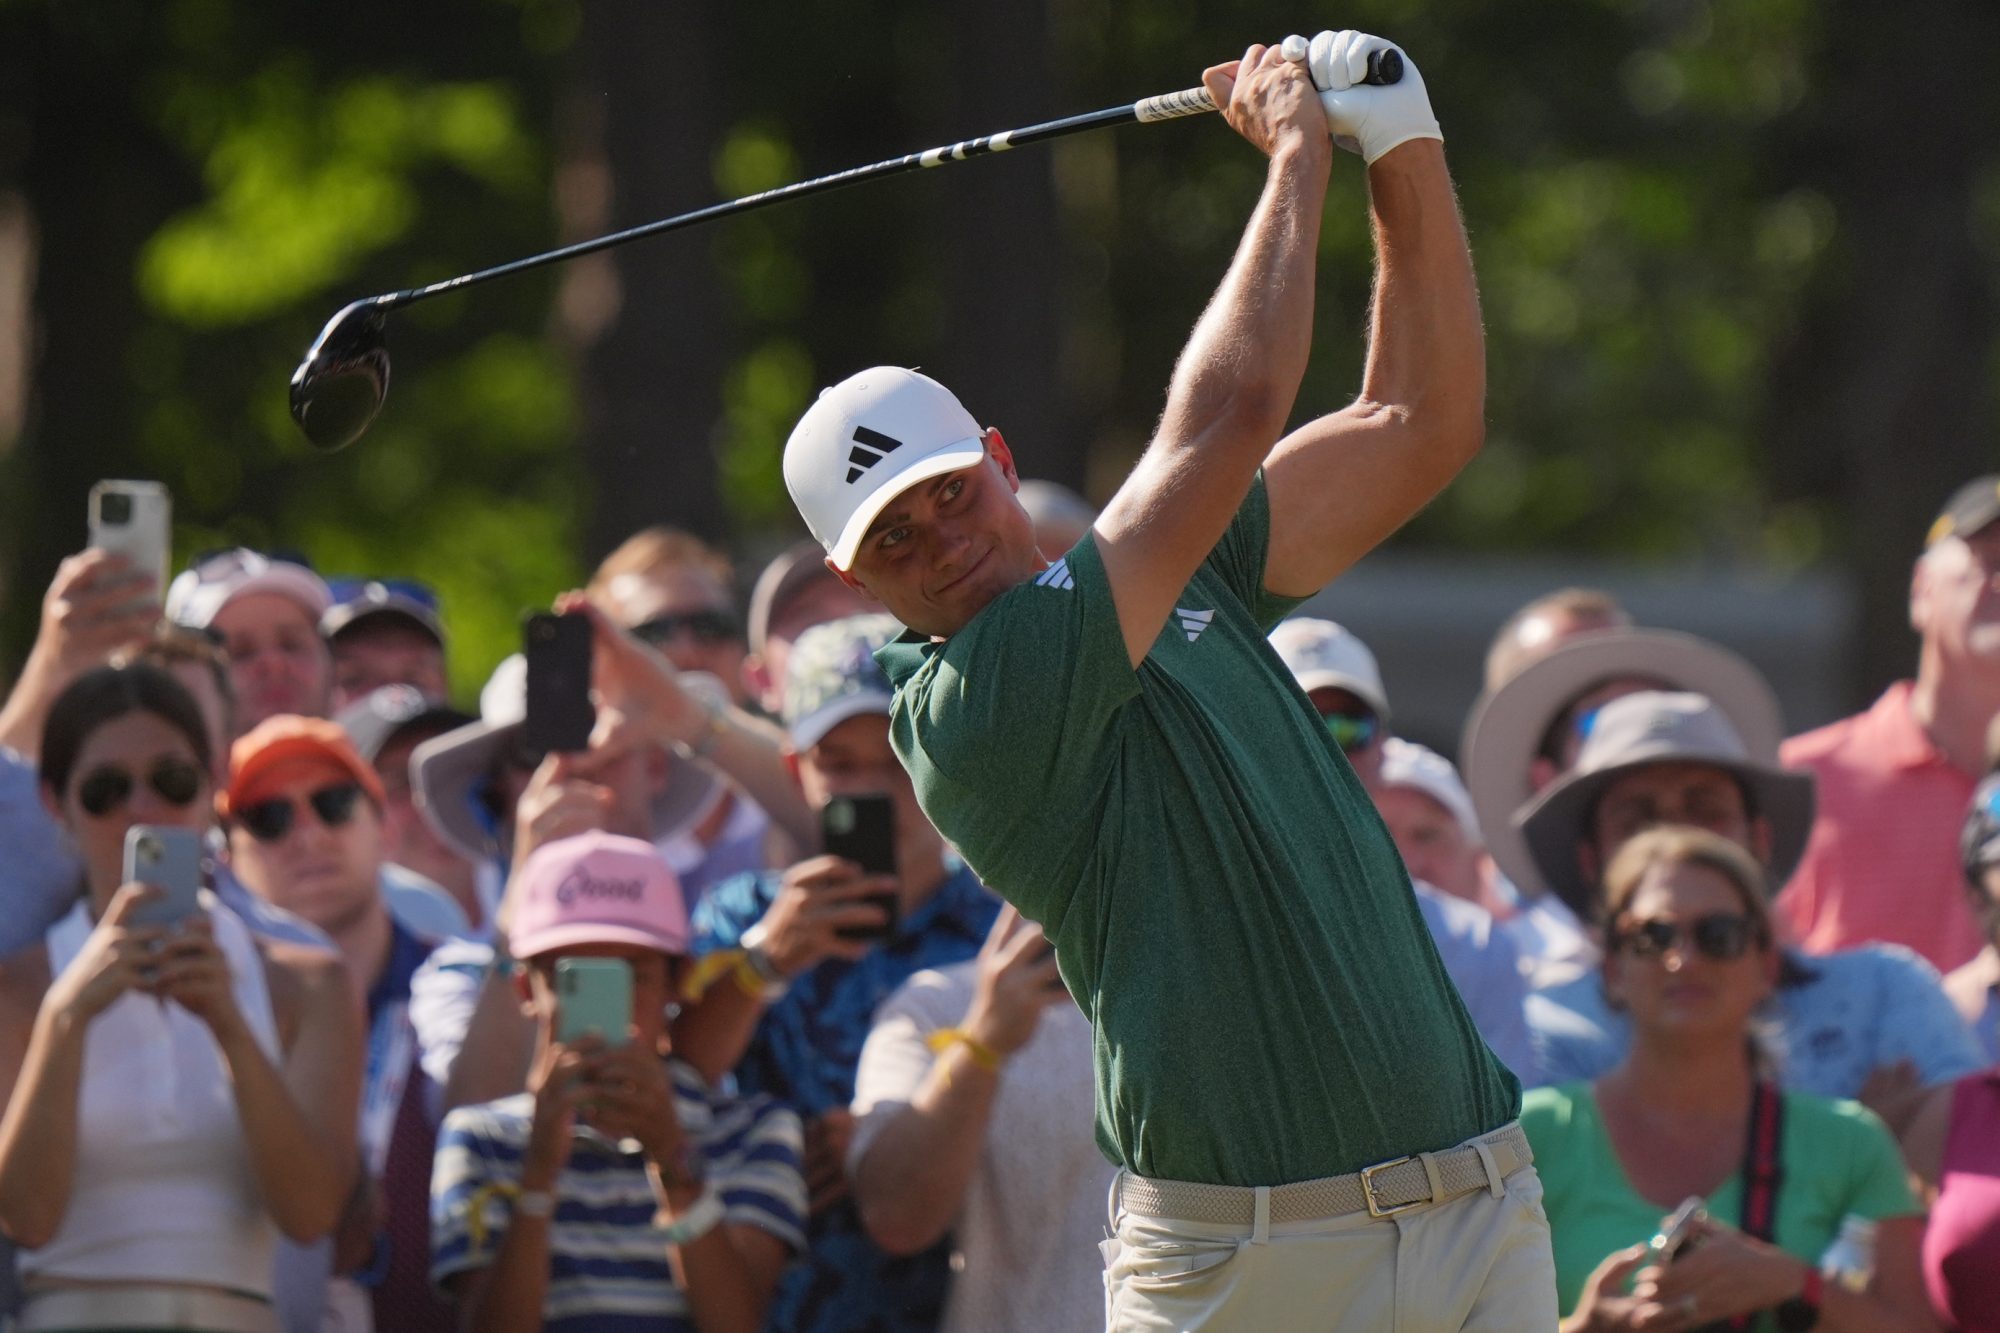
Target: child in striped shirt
[[619, 1192]]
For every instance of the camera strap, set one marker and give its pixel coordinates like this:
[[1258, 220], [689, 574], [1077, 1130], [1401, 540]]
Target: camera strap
[[1762, 1172]]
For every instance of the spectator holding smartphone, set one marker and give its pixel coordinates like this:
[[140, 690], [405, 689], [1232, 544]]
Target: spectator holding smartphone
[[1692, 1111], [177, 1095], [619, 1190], [802, 957], [972, 1119]]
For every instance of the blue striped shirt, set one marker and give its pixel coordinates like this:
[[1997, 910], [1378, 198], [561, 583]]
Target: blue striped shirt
[[608, 1270]]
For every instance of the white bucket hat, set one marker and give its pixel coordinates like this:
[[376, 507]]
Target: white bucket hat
[[865, 441]]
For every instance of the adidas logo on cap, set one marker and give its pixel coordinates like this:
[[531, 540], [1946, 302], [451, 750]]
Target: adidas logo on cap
[[870, 448]]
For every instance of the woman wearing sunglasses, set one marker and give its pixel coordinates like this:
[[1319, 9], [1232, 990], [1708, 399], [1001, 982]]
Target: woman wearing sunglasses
[[177, 1094], [1692, 1112]]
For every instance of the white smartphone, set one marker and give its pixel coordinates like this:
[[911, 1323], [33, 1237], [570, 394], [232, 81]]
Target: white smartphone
[[134, 519]]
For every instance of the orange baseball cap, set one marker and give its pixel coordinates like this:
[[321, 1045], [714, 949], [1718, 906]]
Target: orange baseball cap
[[287, 737]]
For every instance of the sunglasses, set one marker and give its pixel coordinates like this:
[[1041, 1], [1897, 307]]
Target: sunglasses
[[1719, 936], [271, 820], [102, 790], [1351, 731], [711, 626]]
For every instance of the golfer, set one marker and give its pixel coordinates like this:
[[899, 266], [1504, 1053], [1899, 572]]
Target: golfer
[[1312, 1133]]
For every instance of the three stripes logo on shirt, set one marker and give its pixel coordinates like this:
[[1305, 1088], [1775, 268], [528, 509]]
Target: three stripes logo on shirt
[[870, 448], [1057, 576], [1193, 622]]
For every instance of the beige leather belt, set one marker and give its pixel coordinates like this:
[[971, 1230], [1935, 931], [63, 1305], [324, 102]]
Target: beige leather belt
[[141, 1306], [1382, 1190]]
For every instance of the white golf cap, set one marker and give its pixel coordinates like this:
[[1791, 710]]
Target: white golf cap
[[1322, 655], [1420, 768], [867, 440], [198, 595]]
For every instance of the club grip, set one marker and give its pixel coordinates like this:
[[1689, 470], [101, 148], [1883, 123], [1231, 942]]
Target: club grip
[[1384, 67]]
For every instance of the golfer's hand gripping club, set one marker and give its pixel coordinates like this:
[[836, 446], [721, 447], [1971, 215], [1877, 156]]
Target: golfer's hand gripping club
[[1381, 66]]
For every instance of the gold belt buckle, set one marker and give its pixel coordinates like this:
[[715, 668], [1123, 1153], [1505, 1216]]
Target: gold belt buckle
[[1375, 1207]]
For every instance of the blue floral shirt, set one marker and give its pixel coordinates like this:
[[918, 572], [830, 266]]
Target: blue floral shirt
[[805, 1052], [1859, 1010]]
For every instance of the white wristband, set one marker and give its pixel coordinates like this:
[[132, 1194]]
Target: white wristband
[[699, 1219]]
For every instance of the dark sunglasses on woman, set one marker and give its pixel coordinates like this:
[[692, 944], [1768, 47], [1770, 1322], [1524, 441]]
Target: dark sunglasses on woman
[[102, 790], [707, 626], [1720, 936], [271, 820]]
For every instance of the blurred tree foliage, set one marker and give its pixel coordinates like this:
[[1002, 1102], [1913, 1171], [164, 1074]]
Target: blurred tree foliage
[[1739, 262]]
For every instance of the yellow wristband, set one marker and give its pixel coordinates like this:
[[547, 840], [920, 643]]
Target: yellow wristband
[[711, 968], [982, 1055]]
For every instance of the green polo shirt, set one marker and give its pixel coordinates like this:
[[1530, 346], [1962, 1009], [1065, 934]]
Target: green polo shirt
[[1225, 903]]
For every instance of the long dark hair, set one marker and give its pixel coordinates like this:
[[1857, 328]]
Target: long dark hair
[[106, 694]]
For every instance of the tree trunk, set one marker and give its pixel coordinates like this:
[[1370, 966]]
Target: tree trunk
[[650, 380], [1882, 399]]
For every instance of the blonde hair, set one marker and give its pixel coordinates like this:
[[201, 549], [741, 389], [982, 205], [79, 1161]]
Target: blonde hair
[[662, 547], [1684, 845]]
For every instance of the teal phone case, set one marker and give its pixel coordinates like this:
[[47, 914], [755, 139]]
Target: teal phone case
[[593, 995]]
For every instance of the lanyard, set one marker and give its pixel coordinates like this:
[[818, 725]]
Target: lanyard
[[1762, 1172], [392, 1049]]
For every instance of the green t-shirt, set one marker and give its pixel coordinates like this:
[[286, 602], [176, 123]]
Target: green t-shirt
[[1224, 900], [1836, 1157]]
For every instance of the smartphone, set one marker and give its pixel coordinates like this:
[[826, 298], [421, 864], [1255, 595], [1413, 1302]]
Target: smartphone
[[593, 997], [134, 519], [168, 859], [862, 829], [560, 713], [1678, 1230]]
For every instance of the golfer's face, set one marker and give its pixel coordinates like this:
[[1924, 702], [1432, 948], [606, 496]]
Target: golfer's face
[[943, 549]]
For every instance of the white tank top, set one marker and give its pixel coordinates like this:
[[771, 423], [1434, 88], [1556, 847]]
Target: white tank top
[[163, 1189]]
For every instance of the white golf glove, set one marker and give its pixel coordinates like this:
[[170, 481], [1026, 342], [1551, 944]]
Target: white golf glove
[[1363, 117]]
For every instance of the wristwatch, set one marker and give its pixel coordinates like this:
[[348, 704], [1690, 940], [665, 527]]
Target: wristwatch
[[772, 982], [1801, 1312]]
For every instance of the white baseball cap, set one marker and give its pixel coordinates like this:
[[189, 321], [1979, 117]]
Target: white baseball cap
[[1323, 655], [198, 595], [867, 440], [1420, 768]]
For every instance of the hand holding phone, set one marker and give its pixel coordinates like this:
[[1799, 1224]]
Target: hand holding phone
[[862, 829], [1676, 1234]]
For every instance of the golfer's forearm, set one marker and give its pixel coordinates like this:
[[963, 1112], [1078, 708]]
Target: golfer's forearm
[[1242, 365], [1426, 349], [38, 1134], [913, 1179]]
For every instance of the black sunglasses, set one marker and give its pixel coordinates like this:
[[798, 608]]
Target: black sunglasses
[[1720, 936], [271, 820], [102, 790], [711, 626]]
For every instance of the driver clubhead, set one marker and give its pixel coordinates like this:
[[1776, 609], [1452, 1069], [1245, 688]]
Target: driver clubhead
[[339, 387]]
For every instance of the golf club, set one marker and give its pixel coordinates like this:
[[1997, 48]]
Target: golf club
[[339, 386]]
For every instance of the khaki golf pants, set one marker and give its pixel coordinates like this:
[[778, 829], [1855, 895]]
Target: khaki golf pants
[[1478, 1263]]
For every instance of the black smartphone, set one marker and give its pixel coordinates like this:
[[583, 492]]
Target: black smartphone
[[862, 829], [560, 713]]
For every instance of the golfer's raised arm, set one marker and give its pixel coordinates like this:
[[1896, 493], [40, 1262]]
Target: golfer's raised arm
[[1340, 484], [1233, 387]]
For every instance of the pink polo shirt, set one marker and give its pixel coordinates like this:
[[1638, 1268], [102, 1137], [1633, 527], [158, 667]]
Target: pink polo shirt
[[1962, 1244], [1882, 863]]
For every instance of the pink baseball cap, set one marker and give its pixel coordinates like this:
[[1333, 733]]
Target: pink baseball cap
[[597, 888]]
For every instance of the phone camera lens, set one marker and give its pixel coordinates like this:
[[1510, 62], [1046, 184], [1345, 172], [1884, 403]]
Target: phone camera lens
[[840, 816], [114, 508], [150, 848]]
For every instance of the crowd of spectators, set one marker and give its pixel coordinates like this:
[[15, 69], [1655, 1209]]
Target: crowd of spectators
[[351, 1091]]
